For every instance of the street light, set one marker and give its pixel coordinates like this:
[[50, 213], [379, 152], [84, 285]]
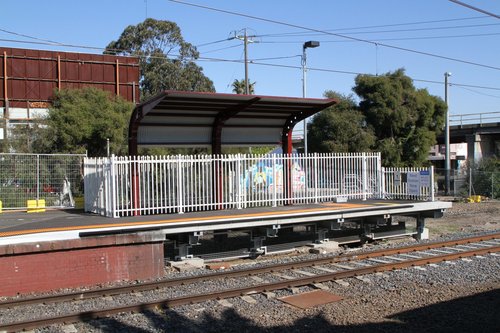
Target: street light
[[310, 44], [447, 136]]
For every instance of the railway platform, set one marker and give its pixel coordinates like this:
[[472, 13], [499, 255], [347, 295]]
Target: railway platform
[[20, 227]]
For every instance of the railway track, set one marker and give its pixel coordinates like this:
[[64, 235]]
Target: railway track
[[326, 269]]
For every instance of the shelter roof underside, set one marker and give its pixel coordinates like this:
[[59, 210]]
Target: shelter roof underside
[[193, 119]]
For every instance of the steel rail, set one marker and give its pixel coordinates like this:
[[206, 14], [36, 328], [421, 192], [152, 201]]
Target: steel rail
[[172, 302], [110, 291]]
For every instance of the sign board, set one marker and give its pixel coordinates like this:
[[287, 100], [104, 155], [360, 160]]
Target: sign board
[[425, 178], [413, 180]]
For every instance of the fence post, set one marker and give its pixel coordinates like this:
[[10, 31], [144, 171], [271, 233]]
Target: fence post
[[470, 181], [315, 178], [364, 176], [238, 181], [275, 182], [380, 177], [113, 186], [179, 184], [382, 183], [38, 178], [431, 171]]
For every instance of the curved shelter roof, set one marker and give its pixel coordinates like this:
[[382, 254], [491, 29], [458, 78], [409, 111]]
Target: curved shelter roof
[[196, 119]]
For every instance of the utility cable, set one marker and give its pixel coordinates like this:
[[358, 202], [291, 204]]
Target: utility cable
[[334, 34]]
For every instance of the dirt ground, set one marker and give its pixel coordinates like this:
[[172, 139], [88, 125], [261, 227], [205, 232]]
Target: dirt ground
[[466, 217]]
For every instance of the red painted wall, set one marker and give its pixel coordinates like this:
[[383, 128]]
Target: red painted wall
[[32, 75], [39, 272]]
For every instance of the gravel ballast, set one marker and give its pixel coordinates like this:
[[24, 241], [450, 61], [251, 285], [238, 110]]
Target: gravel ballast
[[462, 296]]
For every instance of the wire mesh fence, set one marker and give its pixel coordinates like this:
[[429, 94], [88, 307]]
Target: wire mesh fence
[[55, 178], [468, 182]]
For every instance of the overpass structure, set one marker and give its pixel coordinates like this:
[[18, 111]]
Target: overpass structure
[[481, 132]]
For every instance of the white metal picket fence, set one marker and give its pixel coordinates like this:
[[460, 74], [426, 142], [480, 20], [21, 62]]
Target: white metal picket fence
[[125, 186], [409, 183]]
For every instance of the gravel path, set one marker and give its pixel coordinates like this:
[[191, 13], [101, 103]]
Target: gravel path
[[463, 296]]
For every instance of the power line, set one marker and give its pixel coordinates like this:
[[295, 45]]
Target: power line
[[479, 93], [389, 25], [223, 48], [475, 8], [335, 34], [298, 34], [215, 42], [254, 62], [387, 39], [31, 37], [340, 72]]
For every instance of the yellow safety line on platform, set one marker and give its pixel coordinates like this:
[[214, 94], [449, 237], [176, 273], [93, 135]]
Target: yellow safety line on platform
[[188, 219]]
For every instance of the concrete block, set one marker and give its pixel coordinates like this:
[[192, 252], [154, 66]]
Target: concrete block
[[325, 247], [35, 206], [320, 286], [225, 303], [342, 282], [269, 294], [249, 299], [423, 235], [187, 265]]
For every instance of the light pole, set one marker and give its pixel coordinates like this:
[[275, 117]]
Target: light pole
[[447, 136], [309, 44]]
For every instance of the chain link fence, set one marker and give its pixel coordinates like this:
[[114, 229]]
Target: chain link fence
[[468, 182], [55, 178]]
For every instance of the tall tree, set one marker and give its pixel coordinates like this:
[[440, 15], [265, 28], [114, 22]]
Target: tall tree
[[340, 128], [166, 59], [405, 120], [82, 120], [239, 87]]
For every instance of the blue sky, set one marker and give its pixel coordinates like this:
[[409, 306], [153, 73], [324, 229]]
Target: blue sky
[[461, 34]]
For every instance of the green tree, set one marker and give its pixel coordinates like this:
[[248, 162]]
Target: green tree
[[82, 120], [166, 59], [405, 120], [340, 128], [239, 87], [24, 138]]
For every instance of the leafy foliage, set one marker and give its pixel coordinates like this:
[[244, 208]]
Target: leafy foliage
[[24, 138], [82, 119], [392, 117], [166, 59], [405, 120], [485, 176], [239, 87], [340, 128]]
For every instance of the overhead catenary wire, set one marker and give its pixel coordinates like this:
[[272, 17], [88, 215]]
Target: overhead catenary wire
[[298, 34], [475, 8], [253, 17], [387, 39], [389, 25], [254, 62]]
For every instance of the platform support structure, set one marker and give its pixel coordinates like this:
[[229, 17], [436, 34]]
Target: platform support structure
[[183, 244], [422, 231], [257, 245], [321, 235]]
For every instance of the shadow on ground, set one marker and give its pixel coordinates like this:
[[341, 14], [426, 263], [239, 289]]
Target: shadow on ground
[[477, 313]]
